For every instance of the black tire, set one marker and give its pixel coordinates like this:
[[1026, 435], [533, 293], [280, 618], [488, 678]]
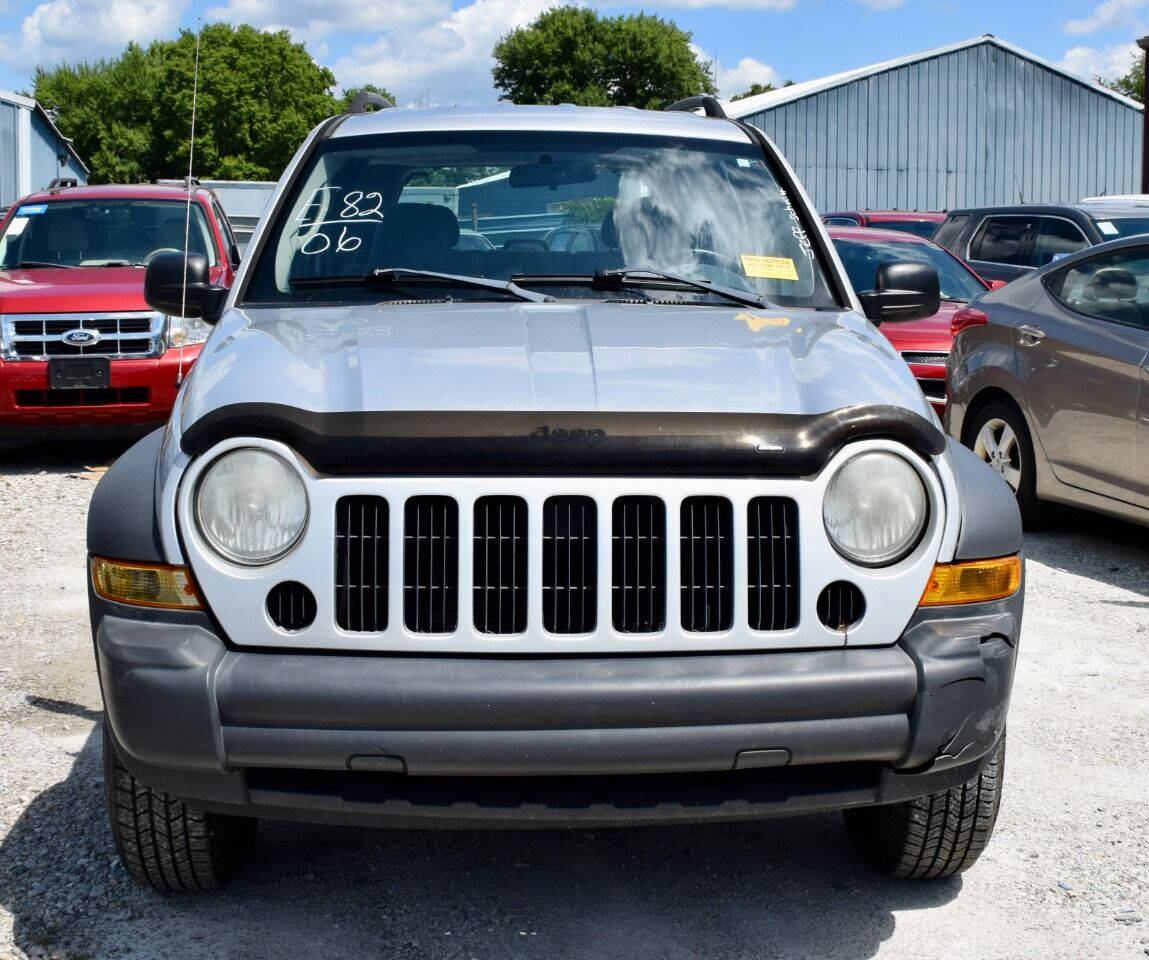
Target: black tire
[[1032, 509], [163, 842], [933, 836]]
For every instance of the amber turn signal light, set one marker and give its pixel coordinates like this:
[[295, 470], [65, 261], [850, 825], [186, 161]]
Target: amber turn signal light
[[972, 582], [145, 584]]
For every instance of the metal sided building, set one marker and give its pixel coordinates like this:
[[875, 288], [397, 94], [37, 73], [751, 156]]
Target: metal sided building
[[974, 123], [32, 151]]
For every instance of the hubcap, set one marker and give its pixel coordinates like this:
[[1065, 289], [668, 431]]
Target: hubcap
[[997, 445]]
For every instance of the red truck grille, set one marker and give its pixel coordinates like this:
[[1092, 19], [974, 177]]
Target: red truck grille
[[38, 337]]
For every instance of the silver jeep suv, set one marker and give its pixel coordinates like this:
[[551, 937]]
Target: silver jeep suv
[[651, 526]]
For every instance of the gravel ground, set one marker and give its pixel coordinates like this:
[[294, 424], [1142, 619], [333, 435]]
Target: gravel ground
[[1067, 874]]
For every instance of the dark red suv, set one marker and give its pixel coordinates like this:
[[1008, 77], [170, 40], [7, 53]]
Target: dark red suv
[[78, 344]]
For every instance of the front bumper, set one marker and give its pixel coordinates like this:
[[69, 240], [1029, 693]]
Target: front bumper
[[463, 741], [140, 392]]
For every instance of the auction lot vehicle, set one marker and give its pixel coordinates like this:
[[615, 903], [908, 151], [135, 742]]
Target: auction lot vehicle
[[1048, 379], [1002, 243], [657, 533], [921, 223], [79, 346], [923, 343]]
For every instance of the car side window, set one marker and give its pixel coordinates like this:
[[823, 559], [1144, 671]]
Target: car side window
[[840, 221], [1003, 240], [947, 234], [581, 243], [559, 240], [225, 229], [1056, 237], [1113, 287]]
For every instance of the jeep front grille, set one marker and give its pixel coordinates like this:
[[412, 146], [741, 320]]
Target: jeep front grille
[[500, 565], [431, 564], [570, 565], [120, 335], [361, 539], [638, 572], [772, 546], [706, 556]]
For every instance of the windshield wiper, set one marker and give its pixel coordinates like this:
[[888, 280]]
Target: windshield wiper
[[405, 277], [617, 279], [34, 264]]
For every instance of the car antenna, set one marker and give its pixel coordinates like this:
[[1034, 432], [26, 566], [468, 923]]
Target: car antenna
[[188, 211]]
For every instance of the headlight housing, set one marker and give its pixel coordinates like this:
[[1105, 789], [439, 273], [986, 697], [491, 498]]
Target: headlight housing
[[251, 506], [185, 331], [875, 509]]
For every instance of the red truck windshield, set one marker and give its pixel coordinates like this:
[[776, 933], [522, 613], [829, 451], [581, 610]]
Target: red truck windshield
[[99, 233]]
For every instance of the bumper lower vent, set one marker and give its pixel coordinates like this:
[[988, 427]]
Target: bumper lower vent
[[431, 564], [570, 565]]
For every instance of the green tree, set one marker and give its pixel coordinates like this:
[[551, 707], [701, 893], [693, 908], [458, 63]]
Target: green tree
[[755, 89], [572, 55], [259, 95], [1131, 83]]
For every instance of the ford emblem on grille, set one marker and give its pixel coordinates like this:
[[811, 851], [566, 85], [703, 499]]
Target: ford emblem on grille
[[82, 338]]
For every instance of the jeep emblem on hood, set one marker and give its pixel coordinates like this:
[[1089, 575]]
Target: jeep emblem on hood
[[82, 338]]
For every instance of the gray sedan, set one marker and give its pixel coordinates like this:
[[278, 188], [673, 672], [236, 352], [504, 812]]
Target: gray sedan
[[1049, 382]]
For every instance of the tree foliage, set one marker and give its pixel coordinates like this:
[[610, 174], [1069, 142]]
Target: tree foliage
[[572, 55], [754, 90], [259, 94], [1131, 83]]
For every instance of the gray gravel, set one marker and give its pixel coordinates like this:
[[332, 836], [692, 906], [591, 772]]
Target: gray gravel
[[1067, 874]]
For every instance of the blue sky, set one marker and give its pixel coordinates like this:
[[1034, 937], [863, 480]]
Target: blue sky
[[438, 51]]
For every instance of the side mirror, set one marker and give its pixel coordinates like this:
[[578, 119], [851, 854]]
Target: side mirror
[[903, 290], [996, 284], [164, 287]]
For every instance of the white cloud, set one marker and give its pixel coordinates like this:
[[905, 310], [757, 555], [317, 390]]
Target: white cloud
[[448, 61], [311, 20], [1111, 13], [744, 74], [75, 30], [1106, 62], [728, 4], [882, 4]]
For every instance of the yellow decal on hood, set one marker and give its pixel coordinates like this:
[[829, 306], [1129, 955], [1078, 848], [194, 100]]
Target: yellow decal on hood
[[756, 322], [769, 268]]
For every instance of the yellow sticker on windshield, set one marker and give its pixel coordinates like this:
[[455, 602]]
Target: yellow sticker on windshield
[[769, 268], [756, 322]]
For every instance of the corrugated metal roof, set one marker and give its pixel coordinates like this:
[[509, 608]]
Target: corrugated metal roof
[[797, 91]]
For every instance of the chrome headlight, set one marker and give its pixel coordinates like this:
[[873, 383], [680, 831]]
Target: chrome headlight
[[251, 506], [185, 331], [875, 509]]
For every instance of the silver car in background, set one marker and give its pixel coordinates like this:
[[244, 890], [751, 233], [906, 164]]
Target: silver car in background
[[1049, 382]]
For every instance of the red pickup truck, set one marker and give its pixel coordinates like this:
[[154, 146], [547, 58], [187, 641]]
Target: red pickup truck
[[79, 346]]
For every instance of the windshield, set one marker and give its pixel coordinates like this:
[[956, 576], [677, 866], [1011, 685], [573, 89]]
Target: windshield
[[97, 233], [861, 261], [919, 228], [1123, 227], [541, 207]]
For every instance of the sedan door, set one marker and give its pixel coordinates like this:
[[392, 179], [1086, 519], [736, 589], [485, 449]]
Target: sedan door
[[1080, 356]]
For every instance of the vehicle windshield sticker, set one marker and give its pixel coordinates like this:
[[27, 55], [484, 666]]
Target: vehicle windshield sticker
[[16, 227], [31, 209], [751, 163], [769, 268], [1107, 228], [757, 322], [796, 227]]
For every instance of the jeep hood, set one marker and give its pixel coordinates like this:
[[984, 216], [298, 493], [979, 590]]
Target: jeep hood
[[547, 357]]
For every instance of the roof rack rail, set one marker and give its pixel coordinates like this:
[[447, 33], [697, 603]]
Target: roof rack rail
[[710, 106], [368, 98], [59, 183]]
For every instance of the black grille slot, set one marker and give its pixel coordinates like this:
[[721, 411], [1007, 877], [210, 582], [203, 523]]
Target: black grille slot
[[772, 550], [500, 568], [361, 563], [431, 564], [841, 605], [291, 606], [95, 397], [707, 564], [638, 568], [570, 565]]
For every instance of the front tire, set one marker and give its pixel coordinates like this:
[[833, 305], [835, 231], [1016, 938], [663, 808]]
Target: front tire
[[999, 436], [938, 835], [163, 842]]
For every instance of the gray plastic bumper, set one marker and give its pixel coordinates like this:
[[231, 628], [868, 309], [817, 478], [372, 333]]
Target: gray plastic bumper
[[344, 737]]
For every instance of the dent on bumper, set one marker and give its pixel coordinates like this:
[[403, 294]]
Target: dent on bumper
[[298, 735]]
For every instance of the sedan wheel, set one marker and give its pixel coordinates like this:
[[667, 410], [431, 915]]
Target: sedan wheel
[[999, 436], [996, 443]]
